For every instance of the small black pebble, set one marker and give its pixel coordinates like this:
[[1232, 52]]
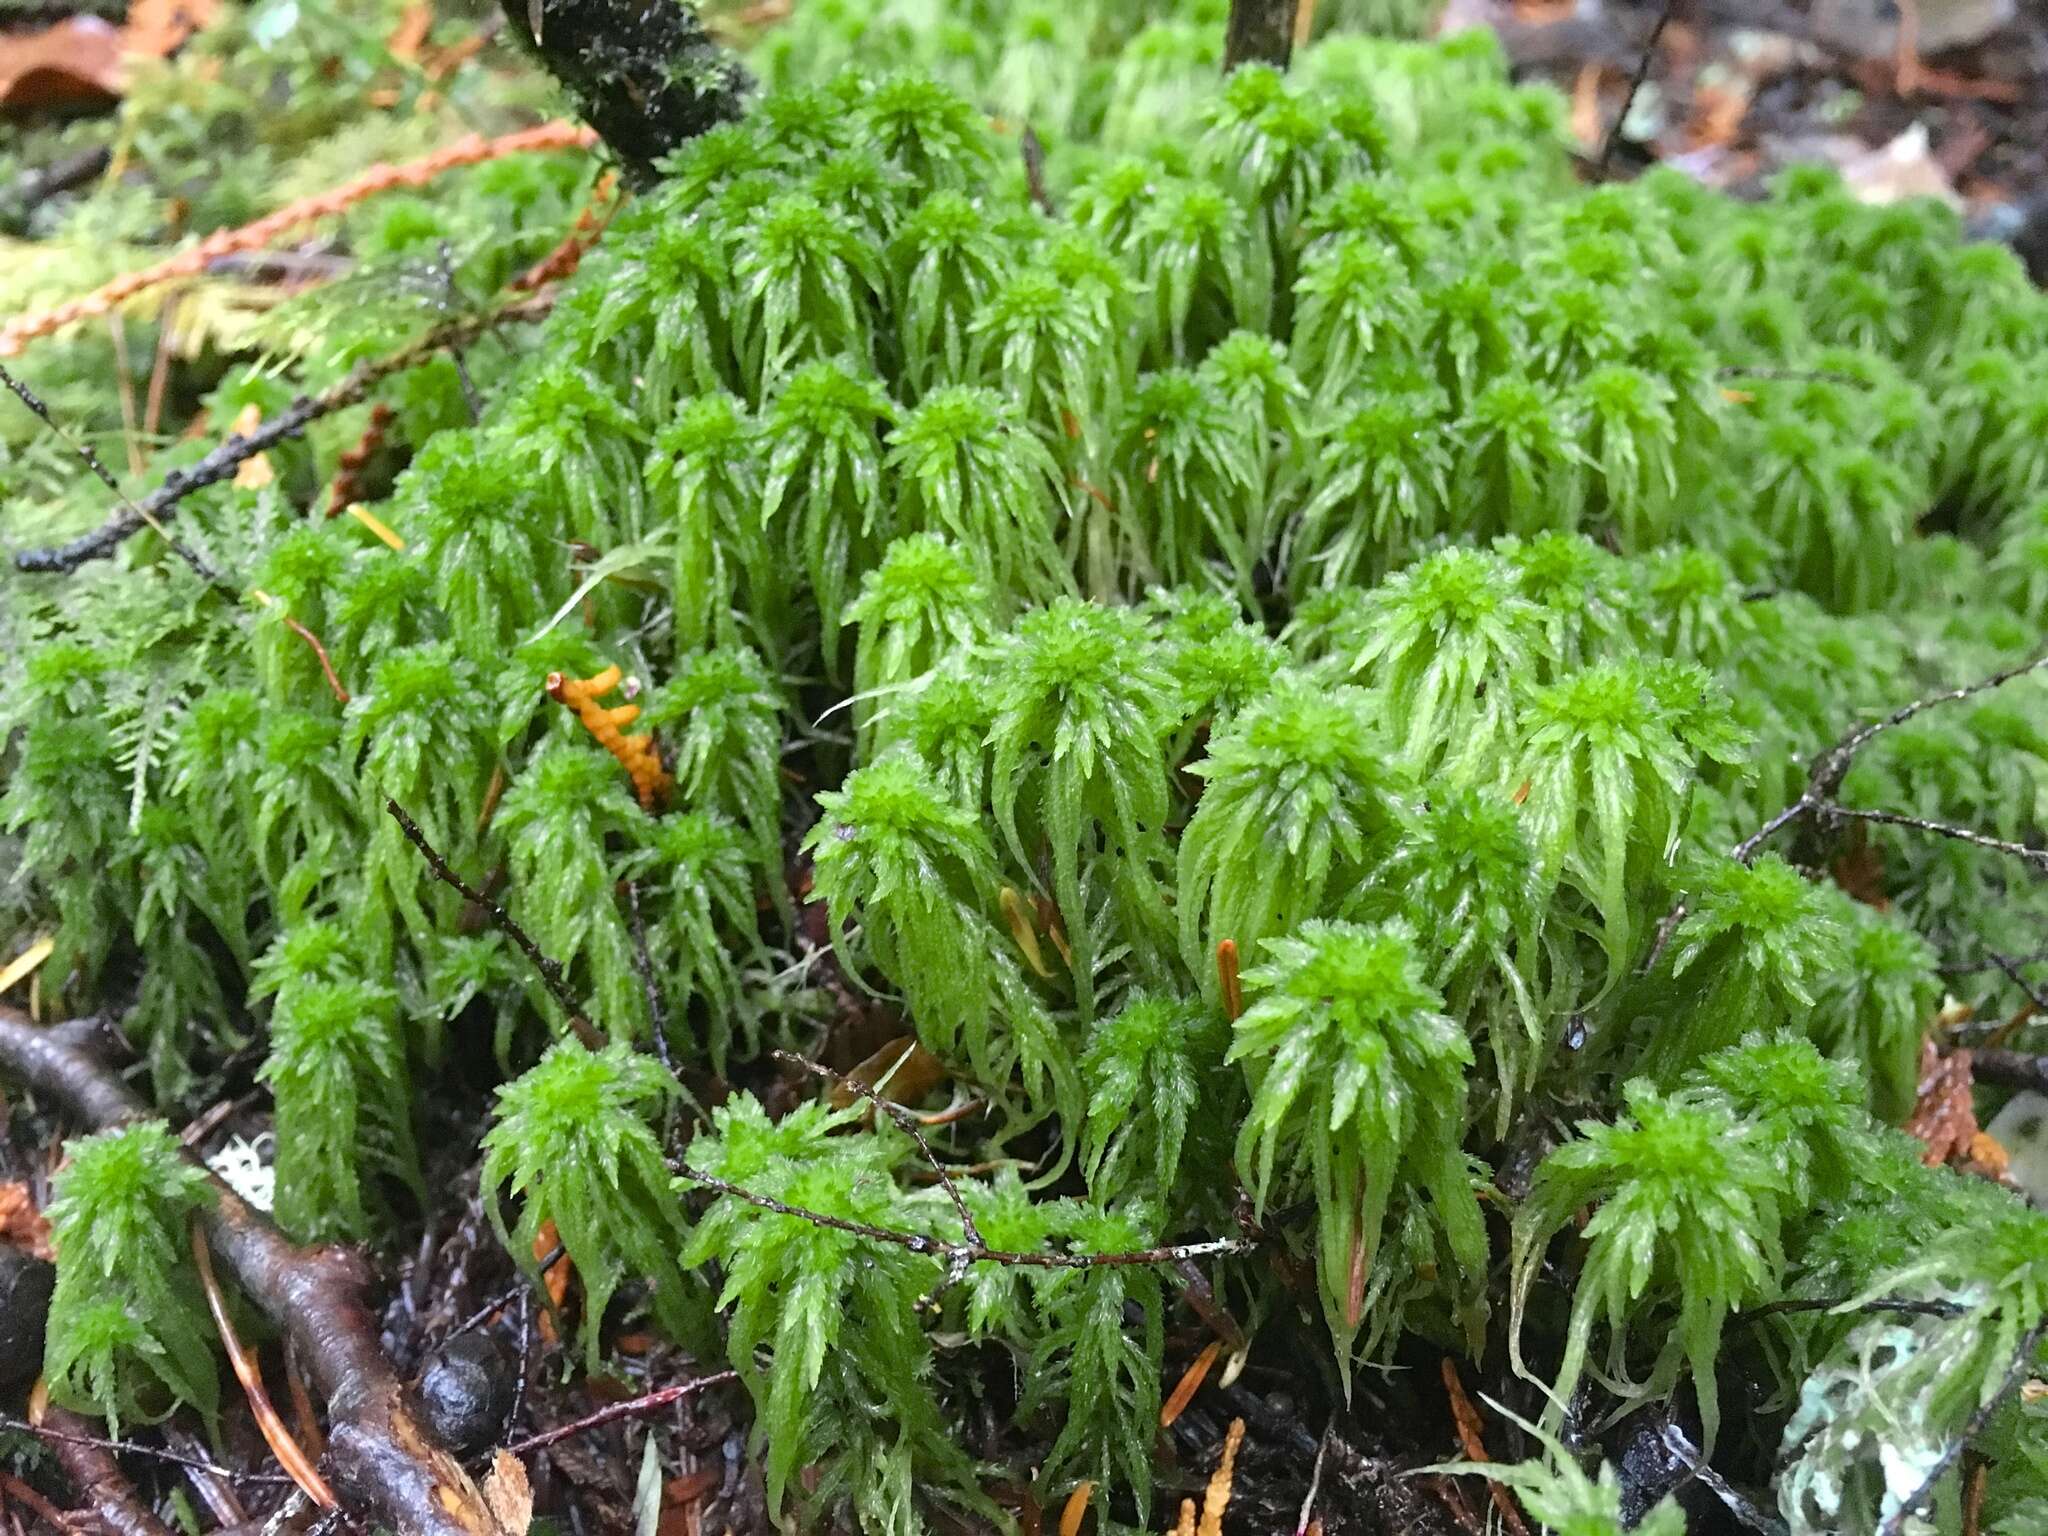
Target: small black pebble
[[466, 1390], [25, 1286]]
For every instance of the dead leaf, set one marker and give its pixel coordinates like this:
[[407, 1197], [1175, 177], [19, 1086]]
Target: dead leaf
[[1945, 1117], [909, 1069], [76, 63], [682, 1500], [21, 1223], [159, 28], [508, 1495]]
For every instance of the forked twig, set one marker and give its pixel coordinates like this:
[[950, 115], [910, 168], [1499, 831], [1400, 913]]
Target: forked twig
[[1824, 776], [957, 1270]]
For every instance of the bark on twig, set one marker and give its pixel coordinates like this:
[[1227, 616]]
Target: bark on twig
[[97, 1476], [237, 448], [647, 77], [382, 1458]]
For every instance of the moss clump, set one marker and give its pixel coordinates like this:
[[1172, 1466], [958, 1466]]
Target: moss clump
[[1320, 627]]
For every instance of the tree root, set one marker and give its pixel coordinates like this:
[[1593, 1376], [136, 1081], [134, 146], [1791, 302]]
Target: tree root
[[383, 1459], [97, 1476]]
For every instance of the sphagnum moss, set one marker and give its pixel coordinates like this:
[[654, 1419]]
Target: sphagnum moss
[[1326, 540]]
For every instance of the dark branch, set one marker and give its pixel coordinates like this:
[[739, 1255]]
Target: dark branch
[[384, 1458], [34, 188], [1635, 85], [93, 462], [2014, 1069], [233, 451]]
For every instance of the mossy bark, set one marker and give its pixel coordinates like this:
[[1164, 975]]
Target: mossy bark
[[644, 73]]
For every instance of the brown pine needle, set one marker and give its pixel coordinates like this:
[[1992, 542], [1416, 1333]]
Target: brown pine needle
[[1186, 1524], [1076, 1509], [470, 150], [1226, 972], [290, 1455], [1189, 1384], [1466, 1416]]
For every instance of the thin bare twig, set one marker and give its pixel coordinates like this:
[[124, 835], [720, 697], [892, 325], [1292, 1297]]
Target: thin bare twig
[[235, 449], [48, 1431], [657, 1011], [976, 1253], [957, 1270], [92, 461], [497, 1304], [1900, 1306], [635, 1408], [1824, 776], [1635, 85], [2038, 857], [2023, 1362], [549, 968]]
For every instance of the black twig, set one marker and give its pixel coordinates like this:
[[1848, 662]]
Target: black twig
[[1033, 154], [2015, 1069], [1790, 375], [93, 462], [39, 185], [1635, 85], [1824, 776], [127, 1447], [1995, 962], [657, 1012], [975, 1253], [237, 448], [2022, 1363], [549, 968], [957, 1270], [2038, 857], [1899, 1306]]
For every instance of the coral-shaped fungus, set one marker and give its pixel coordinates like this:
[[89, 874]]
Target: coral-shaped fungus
[[636, 754]]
